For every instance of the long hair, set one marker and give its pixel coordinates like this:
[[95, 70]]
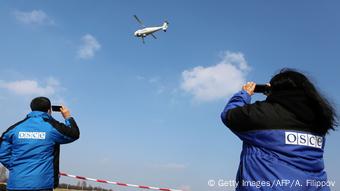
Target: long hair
[[290, 79]]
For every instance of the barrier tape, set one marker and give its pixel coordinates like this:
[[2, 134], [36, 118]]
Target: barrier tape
[[117, 183]]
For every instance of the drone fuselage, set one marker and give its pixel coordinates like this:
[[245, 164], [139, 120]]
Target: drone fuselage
[[147, 31]]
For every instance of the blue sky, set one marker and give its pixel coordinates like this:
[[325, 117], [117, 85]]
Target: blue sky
[[149, 113]]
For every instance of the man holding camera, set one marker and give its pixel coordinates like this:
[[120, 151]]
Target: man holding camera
[[30, 148]]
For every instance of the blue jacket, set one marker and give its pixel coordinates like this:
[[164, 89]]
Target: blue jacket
[[278, 153], [30, 150]]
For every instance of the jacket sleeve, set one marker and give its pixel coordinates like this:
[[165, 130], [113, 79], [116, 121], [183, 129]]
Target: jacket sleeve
[[65, 133], [241, 116], [5, 150], [238, 100]]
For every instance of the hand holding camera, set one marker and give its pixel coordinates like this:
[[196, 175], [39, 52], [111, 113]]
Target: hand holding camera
[[249, 87], [64, 110], [252, 87]]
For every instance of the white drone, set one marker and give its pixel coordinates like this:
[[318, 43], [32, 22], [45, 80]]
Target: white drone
[[149, 30]]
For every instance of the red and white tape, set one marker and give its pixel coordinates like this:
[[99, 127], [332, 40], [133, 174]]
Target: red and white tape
[[117, 183]]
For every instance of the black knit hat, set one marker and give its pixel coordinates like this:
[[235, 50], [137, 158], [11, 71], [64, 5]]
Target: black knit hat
[[40, 104]]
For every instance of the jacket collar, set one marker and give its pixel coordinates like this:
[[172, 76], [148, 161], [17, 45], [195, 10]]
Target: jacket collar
[[38, 114]]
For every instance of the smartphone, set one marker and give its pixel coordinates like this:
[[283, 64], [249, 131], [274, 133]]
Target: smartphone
[[262, 88], [56, 108]]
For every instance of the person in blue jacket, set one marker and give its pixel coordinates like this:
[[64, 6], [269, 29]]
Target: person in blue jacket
[[30, 148], [283, 136]]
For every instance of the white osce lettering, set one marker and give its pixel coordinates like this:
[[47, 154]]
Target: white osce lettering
[[294, 138], [32, 135]]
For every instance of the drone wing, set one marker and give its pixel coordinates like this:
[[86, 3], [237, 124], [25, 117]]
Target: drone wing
[[138, 20], [153, 36]]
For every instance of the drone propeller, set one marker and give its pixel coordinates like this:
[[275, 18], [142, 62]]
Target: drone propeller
[[153, 36], [138, 20]]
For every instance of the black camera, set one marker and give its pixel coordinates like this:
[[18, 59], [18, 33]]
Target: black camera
[[262, 88], [56, 108]]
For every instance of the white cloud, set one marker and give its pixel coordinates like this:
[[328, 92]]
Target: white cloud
[[218, 81], [31, 87], [38, 17], [89, 46]]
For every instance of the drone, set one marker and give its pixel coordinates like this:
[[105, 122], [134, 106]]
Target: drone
[[144, 32]]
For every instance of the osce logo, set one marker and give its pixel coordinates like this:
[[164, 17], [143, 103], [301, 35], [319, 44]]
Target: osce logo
[[32, 135], [294, 138]]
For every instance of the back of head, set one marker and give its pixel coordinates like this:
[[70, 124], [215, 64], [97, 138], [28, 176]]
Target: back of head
[[40, 104], [289, 80]]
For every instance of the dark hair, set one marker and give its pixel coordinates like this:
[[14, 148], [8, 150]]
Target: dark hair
[[290, 79], [40, 104]]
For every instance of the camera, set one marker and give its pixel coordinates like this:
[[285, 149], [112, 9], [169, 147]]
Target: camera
[[56, 108], [262, 88]]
